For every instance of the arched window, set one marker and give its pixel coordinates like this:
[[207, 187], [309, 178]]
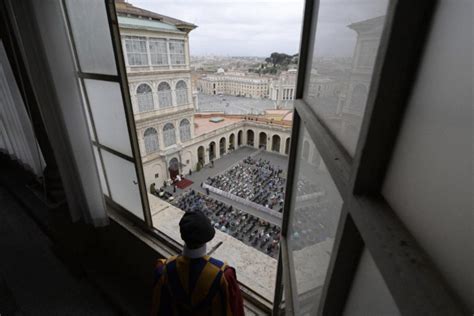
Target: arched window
[[185, 130], [181, 93], [169, 135], [144, 98], [151, 140], [164, 95]]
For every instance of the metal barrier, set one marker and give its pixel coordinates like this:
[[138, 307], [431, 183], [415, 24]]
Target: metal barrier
[[240, 200]]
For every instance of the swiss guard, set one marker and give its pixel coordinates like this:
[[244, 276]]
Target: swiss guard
[[194, 283]]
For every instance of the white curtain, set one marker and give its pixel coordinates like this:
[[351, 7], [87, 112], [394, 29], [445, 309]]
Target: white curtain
[[17, 138]]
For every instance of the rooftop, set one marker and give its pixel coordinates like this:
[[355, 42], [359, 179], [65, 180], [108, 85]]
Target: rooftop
[[204, 125], [124, 8], [131, 22]]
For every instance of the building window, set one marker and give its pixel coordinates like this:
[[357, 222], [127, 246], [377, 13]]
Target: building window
[[158, 52], [144, 98], [181, 93], [151, 140], [164, 95], [177, 52], [135, 46], [169, 135], [185, 130]]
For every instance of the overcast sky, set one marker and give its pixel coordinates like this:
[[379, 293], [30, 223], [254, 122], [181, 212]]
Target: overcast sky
[[260, 27], [237, 27]]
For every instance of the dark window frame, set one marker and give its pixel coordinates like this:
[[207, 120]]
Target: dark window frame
[[366, 218]]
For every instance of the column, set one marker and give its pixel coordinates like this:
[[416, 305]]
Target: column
[[282, 144], [177, 132]]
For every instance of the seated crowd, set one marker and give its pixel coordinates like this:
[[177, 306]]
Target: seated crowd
[[249, 229], [255, 180]]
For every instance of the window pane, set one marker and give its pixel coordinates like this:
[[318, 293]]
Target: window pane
[[108, 113], [313, 222], [123, 182], [95, 53], [158, 52], [101, 171], [343, 55], [135, 47], [177, 52]]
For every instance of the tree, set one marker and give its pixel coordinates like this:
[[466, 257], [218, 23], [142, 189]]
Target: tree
[[278, 59]]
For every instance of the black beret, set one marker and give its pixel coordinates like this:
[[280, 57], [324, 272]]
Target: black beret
[[195, 228]]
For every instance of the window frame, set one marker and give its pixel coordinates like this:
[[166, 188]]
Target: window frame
[[141, 54], [187, 132], [175, 56], [163, 41], [165, 94], [366, 219], [147, 141], [168, 133], [181, 93], [148, 96]]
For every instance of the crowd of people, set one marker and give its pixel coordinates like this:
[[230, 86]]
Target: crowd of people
[[249, 229], [256, 180]]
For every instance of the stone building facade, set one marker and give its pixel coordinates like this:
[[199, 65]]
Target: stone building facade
[[234, 84], [173, 139]]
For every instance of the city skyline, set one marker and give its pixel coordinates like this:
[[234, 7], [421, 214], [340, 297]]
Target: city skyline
[[248, 28]]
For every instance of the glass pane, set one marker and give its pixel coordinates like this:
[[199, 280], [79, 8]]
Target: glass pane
[[108, 113], [101, 171], [87, 114], [123, 182], [91, 34], [343, 55], [313, 222]]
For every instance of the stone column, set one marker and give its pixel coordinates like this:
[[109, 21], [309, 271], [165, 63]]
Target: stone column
[[282, 144]]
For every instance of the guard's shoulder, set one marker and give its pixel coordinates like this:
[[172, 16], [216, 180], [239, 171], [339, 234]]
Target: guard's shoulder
[[221, 265], [171, 259]]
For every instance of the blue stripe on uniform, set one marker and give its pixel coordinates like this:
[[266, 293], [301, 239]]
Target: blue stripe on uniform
[[216, 262], [195, 268], [175, 285]]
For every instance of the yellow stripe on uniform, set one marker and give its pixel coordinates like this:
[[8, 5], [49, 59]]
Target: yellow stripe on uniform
[[204, 282]]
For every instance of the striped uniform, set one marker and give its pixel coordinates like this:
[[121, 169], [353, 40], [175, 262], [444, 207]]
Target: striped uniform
[[195, 286]]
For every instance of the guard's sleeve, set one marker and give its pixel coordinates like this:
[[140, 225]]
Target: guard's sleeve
[[159, 300], [234, 295]]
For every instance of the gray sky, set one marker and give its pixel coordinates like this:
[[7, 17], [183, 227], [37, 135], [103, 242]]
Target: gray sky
[[237, 27], [260, 27]]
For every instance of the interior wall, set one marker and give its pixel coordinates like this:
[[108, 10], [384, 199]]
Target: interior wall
[[430, 180], [369, 294]]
